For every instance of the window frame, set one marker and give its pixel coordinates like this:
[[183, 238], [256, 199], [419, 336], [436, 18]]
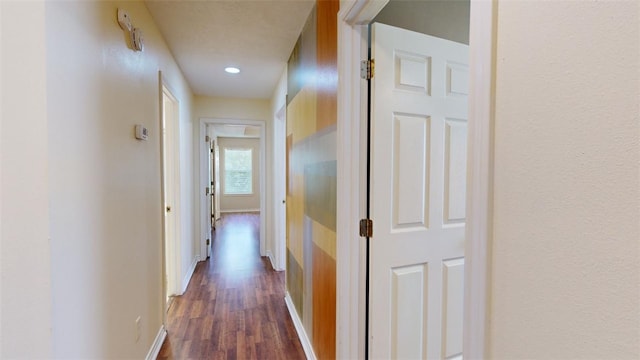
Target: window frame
[[224, 171]]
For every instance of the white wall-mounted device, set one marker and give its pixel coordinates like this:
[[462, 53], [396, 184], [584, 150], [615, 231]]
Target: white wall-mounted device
[[137, 42], [124, 20], [141, 132]]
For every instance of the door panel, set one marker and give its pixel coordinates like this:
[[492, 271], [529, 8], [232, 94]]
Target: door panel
[[408, 308], [411, 171], [452, 305], [418, 181], [455, 172]]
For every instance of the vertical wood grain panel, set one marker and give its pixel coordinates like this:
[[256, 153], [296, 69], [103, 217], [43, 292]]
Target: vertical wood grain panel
[[327, 63], [324, 304], [311, 178]]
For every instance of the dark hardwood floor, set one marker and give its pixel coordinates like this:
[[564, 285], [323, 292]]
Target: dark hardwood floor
[[234, 306]]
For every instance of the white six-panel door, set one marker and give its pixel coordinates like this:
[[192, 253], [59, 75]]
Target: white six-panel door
[[418, 182]]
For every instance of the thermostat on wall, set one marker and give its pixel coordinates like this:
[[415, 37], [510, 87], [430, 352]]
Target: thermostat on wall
[[141, 132]]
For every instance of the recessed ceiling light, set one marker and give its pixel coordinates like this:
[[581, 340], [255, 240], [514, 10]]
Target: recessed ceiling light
[[232, 70]]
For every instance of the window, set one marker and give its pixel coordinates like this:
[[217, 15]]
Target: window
[[238, 177]]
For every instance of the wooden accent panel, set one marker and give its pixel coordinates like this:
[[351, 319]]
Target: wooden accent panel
[[320, 193], [294, 282], [288, 163], [327, 63], [311, 178], [324, 304], [303, 58]]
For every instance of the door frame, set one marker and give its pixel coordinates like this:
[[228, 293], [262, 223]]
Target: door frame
[[203, 158], [279, 188], [171, 271], [352, 146]]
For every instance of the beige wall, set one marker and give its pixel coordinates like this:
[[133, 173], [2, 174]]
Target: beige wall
[[566, 242], [446, 19], [231, 108], [84, 260], [25, 284], [235, 203], [106, 230]]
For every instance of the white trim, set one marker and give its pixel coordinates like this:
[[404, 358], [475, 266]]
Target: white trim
[[297, 323], [350, 252], [351, 187], [480, 179], [203, 201], [273, 263], [189, 274], [170, 274], [279, 195], [153, 352], [362, 12], [239, 211]]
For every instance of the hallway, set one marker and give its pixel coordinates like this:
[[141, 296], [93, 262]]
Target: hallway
[[234, 305]]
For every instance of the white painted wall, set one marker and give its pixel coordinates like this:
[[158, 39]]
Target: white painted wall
[[103, 206], [25, 282], [566, 259], [236, 203]]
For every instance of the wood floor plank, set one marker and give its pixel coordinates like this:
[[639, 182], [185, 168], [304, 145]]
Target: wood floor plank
[[234, 305]]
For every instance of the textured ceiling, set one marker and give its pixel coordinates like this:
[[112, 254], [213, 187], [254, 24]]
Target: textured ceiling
[[207, 36]]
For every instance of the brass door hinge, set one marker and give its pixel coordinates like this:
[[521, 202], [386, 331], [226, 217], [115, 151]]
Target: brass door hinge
[[208, 241], [366, 228], [367, 69]]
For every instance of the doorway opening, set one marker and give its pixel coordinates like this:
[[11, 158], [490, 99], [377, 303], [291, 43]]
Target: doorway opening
[[169, 117], [233, 172], [352, 151]]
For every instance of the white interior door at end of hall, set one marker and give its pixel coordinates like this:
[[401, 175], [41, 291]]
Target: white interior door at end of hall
[[212, 197], [418, 181], [216, 181]]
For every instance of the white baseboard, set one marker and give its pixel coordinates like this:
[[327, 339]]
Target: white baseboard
[[239, 211], [272, 261], [270, 256], [187, 278], [297, 323], [157, 344]]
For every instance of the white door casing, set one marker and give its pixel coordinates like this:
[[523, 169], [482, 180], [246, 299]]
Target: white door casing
[[418, 191], [171, 184], [203, 201], [279, 188]]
